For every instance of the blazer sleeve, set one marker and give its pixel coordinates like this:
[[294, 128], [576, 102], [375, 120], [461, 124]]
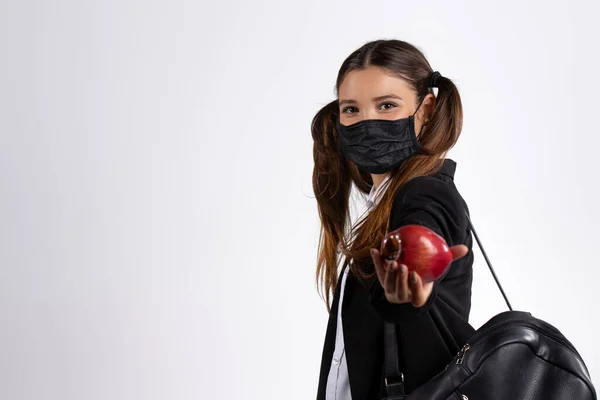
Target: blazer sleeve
[[437, 205], [429, 336]]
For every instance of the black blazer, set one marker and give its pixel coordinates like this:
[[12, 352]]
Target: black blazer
[[428, 337]]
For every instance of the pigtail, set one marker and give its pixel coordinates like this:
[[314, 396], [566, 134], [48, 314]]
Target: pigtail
[[445, 123], [331, 184]]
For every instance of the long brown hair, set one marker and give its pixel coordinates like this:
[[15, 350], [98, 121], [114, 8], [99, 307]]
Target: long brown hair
[[333, 174]]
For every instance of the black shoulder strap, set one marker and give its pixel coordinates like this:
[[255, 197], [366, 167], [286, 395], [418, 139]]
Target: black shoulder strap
[[394, 379], [487, 260]]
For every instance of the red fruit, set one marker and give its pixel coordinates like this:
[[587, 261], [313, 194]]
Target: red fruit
[[420, 249]]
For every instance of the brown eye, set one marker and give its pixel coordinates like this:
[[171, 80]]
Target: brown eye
[[387, 106], [349, 110]]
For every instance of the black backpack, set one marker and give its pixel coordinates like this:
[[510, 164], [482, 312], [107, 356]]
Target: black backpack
[[514, 356]]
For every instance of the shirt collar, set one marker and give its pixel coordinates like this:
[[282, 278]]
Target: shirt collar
[[375, 194]]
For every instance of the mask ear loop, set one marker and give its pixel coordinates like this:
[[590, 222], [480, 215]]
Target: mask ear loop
[[433, 83], [421, 103], [413, 118]]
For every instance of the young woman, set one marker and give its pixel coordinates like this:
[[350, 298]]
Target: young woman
[[388, 133]]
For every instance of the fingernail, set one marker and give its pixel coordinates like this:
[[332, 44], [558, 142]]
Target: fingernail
[[402, 269], [372, 252], [413, 277]]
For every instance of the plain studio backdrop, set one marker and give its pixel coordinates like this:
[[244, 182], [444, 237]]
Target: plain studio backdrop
[[158, 228]]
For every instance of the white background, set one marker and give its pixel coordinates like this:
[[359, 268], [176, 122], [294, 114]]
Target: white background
[[158, 229]]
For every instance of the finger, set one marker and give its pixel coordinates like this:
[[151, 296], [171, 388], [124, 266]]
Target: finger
[[402, 291], [427, 289], [381, 272], [419, 295], [376, 256], [458, 251], [390, 279]]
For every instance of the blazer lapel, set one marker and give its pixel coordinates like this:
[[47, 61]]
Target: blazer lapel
[[329, 345], [363, 339]]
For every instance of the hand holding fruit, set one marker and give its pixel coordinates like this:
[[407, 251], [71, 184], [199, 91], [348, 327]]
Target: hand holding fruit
[[411, 258]]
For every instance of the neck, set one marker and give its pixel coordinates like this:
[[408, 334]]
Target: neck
[[377, 179]]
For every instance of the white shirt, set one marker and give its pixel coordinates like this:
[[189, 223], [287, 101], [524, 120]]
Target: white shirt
[[338, 384]]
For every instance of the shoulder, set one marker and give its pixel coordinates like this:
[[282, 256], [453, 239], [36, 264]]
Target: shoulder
[[432, 201], [436, 189]]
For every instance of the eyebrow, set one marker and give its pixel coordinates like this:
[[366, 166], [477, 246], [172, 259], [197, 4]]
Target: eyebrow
[[374, 99]]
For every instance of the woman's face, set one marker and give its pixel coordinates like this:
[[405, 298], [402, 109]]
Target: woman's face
[[372, 93]]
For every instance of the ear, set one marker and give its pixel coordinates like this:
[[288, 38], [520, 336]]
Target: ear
[[426, 109]]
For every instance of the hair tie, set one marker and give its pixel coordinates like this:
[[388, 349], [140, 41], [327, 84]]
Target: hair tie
[[433, 79]]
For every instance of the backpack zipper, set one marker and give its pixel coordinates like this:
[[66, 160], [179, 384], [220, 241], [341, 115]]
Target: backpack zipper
[[460, 357], [551, 334], [461, 353]]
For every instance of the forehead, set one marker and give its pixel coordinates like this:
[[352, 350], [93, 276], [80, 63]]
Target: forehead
[[372, 82]]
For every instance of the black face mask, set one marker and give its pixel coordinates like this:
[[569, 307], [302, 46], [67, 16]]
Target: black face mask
[[377, 146]]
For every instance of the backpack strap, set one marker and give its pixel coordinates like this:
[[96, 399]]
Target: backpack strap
[[394, 379], [487, 260]]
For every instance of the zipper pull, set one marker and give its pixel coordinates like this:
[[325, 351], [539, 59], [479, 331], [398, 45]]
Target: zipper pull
[[461, 353]]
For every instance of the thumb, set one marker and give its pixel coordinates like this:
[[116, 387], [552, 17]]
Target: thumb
[[459, 251]]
